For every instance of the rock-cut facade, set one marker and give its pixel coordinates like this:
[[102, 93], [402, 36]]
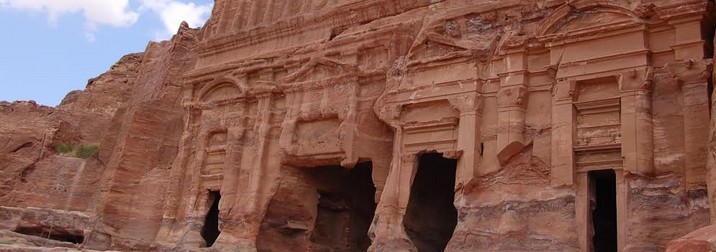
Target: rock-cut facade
[[383, 125]]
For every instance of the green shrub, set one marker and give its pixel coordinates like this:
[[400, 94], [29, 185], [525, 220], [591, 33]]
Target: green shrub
[[62, 148], [82, 151], [86, 151]]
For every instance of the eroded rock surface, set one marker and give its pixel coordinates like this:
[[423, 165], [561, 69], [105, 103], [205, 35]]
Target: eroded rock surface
[[382, 125]]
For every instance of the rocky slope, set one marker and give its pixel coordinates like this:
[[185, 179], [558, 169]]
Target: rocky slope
[[53, 160]]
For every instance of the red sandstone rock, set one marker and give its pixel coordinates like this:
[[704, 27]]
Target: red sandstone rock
[[383, 125], [702, 239]]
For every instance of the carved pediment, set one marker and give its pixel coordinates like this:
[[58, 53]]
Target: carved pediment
[[586, 16], [436, 46], [320, 68], [588, 19], [219, 92]]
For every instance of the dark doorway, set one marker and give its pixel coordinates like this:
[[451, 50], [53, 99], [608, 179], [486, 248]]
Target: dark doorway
[[210, 231], [431, 216], [346, 204], [604, 210]]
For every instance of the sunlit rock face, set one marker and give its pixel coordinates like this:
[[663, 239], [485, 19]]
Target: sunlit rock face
[[404, 125]]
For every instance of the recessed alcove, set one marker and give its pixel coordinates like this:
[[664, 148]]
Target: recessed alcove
[[344, 209], [210, 231], [431, 217]]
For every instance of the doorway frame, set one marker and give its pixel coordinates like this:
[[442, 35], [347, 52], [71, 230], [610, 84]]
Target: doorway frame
[[584, 213], [415, 169]]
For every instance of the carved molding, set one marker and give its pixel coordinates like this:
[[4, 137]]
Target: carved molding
[[565, 90], [546, 27], [637, 79], [692, 71], [467, 103], [513, 96], [219, 82]]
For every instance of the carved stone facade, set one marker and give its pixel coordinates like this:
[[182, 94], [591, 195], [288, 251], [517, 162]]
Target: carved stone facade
[[319, 124]]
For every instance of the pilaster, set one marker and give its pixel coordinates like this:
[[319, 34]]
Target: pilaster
[[468, 140], [693, 77], [637, 127], [563, 125]]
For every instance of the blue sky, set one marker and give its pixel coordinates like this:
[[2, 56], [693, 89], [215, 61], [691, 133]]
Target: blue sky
[[50, 47]]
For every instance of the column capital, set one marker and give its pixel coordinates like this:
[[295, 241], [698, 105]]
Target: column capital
[[691, 71], [512, 96], [565, 90], [637, 79], [467, 103], [390, 113]]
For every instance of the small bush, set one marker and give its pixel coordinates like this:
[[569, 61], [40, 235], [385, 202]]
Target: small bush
[[86, 151], [81, 151], [62, 148]]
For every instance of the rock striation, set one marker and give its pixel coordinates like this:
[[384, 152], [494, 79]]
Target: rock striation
[[382, 125]]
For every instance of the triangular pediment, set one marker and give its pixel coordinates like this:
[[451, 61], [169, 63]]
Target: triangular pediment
[[319, 69], [586, 20], [585, 17], [438, 46]]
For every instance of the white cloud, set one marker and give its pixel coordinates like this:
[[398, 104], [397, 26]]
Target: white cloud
[[173, 12], [97, 12], [117, 13]]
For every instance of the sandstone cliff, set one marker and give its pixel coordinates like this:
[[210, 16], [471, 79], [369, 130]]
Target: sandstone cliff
[[382, 125]]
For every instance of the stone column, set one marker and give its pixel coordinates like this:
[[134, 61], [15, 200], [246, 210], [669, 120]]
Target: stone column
[[241, 228], [348, 131], [511, 103], [696, 112], [563, 133], [232, 168], [288, 127], [387, 230], [693, 77], [583, 212], [468, 140], [188, 234], [512, 100], [623, 212], [693, 73], [637, 129]]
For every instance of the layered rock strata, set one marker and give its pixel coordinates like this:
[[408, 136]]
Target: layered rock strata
[[403, 125]]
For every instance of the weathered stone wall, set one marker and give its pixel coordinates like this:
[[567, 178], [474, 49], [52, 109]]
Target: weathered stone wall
[[280, 107], [139, 151], [41, 186]]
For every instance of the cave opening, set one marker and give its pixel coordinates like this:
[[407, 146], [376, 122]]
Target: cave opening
[[604, 210], [211, 231], [431, 216], [52, 233], [344, 209]]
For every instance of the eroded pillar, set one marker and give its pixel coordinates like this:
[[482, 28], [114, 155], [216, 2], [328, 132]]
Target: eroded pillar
[[468, 140], [241, 227], [387, 230]]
